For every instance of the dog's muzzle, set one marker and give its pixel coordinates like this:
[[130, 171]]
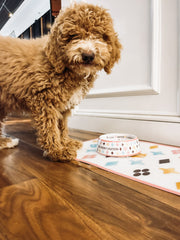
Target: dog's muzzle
[[88, 57]]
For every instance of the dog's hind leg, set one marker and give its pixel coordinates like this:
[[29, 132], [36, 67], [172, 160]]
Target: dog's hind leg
[[5, 142]]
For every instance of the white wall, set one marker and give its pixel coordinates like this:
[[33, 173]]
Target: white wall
[[25, 16]]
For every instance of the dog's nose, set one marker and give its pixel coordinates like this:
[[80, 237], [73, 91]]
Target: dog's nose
[[88, 57]]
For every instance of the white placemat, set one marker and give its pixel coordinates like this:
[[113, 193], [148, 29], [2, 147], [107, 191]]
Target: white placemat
[[157, 165]]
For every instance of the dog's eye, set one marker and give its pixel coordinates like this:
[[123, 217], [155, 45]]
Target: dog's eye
[[105, 37], [72, 37]]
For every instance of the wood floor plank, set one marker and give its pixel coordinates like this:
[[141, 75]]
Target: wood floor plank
[[22, 129], [83, 135], [10, 176], [31, 211]]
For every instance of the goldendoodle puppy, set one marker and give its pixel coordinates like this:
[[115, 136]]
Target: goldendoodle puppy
[[50, 75]]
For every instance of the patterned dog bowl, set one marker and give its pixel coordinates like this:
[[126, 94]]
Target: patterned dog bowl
[[118, 145]]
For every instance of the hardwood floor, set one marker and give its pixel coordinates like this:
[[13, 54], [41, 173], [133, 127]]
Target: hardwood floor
[[44, 200]]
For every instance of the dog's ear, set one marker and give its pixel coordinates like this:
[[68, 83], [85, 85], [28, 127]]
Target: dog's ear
[[54, 46], [114, 53]]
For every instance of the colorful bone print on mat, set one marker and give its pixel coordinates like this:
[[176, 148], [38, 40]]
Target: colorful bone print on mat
[[156, 165]]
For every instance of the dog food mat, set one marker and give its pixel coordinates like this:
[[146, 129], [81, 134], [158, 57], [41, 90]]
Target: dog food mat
[[156, 165]]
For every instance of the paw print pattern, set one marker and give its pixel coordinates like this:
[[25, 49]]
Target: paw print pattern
[[139, 172]]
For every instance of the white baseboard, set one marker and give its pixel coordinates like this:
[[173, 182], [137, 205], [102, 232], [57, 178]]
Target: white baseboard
[[130, 115], [156, 131]]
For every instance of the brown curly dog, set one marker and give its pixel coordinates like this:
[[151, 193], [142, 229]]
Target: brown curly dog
[[50, 75]]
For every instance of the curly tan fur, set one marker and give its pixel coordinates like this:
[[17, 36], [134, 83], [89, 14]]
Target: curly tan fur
[[50, 75]]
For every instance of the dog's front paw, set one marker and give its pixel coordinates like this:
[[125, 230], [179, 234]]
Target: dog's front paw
[[72, 143], [65, 154], [77, 144]]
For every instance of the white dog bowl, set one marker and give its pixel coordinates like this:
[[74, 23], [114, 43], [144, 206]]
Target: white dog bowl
[[118, 145]]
